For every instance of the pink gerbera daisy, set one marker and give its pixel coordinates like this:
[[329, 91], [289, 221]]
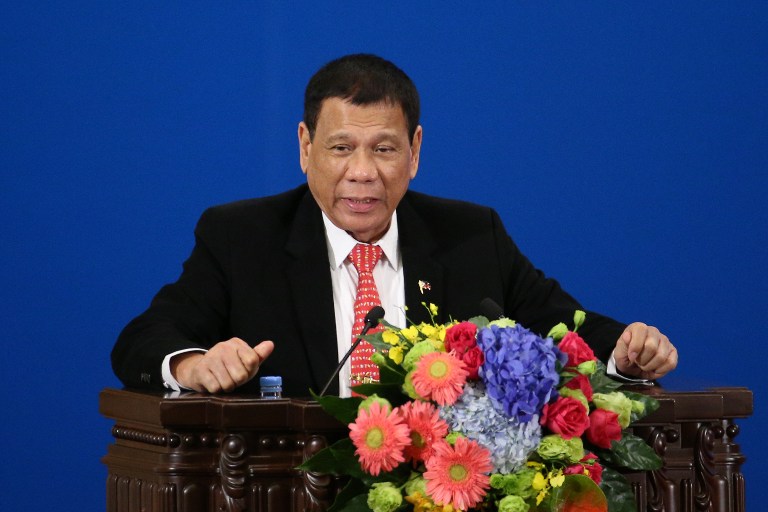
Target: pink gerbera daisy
[[440, 377], [426, 428], [379, 436], [456, 475]]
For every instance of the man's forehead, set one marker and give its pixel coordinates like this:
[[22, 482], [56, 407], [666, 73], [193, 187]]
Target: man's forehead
[[341, 118], [337, 104]]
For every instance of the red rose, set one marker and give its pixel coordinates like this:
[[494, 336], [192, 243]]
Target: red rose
[[567, 417], [595, 472], [603, 428], [577, 349], [461, 337], [473, 358], [581, 383], [587, 466]]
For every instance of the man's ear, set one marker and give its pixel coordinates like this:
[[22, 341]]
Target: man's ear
[[416, 150], [305, 146]]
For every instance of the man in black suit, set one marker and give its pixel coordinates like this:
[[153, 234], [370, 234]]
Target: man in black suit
[[275, 268]]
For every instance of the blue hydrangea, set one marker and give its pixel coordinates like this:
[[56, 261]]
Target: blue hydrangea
[[509, 440], [520, 370]]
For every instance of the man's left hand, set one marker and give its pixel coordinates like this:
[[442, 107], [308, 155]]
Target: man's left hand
[[642, 351]]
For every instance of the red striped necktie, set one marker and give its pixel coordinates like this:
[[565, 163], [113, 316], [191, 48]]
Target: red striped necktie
[[364, 257]]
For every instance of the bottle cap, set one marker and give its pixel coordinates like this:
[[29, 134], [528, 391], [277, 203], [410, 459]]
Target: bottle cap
[[270, 381]]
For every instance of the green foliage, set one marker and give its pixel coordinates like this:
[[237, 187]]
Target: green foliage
[[602, 383], [577, 491], [620, 496], [631, 452], [343, 409], [337, 459], [352, 499], [479, 321], [392, 392], [650, 403]]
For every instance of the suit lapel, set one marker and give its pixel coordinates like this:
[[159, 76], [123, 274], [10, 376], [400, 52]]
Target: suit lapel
[[309, 280], [423, 274]]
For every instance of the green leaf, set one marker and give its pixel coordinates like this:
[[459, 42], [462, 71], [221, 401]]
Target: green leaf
[[601, 382], [343, 409], [620, 496], [349, 495], [392, 392], [357, 504], [397, 476], [377, 341], [578, 492], [392, 374], [650, 403], [633, 453], [337, 459], [479, 321]]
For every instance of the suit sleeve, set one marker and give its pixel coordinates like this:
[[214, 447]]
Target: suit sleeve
[[539, 302], [190, 313]]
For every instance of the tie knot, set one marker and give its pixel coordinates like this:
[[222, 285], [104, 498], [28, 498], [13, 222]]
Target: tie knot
[[364, 257]]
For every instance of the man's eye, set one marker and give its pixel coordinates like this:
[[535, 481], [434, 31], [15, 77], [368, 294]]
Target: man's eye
[[384, 149], [340, 148]]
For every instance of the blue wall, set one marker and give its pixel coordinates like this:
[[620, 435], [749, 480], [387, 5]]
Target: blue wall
[[625, 144]]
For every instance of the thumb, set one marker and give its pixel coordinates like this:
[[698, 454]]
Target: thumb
[[263, 350]]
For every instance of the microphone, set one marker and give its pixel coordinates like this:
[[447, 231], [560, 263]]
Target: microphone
[[490, 309], [371, 320]]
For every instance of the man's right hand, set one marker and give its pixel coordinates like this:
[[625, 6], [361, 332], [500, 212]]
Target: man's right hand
[[224, 367]]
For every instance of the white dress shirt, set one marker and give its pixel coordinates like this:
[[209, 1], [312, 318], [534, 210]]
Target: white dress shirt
[[388, 274]]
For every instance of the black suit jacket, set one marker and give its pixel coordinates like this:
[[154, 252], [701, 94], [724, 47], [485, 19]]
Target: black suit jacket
[[259, 270]]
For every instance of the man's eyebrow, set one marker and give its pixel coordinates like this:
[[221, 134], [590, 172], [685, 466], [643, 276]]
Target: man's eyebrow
[[383, 136], [338, 137]]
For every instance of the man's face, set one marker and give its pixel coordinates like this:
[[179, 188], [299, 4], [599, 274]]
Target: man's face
[[359, 164]]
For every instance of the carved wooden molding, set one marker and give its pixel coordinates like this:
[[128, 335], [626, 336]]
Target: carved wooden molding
[[233, 464], [719, 482], [318, 488], [139, 436], [661, 488]]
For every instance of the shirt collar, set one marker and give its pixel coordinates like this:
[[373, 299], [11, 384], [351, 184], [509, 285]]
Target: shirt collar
[[340, 243]]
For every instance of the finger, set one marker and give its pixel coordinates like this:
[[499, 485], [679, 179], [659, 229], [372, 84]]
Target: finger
[[264, 349], [668, 364], [205, 380], [220, 372], [252, 358], [653, 350], [629, 343], [622, 345]]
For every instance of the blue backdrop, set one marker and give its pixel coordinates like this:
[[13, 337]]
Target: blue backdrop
[[625, 145]]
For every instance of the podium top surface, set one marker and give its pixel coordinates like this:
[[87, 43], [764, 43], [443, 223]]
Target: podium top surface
[[247, 411]]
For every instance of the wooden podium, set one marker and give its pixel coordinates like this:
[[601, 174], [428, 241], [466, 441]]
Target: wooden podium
[[194, 452]]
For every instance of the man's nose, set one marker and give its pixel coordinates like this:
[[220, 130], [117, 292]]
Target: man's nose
[[362, 167]]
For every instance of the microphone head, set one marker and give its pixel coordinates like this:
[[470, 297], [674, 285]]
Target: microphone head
[[374, 316], [490, 309]]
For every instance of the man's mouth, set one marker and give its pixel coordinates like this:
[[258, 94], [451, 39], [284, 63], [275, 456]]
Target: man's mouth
[[360, 205]]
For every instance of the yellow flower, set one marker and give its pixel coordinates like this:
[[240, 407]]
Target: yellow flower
[[390, 337], [533, 464], [430, 331], [411, 334], [433, 309], [396, 354], [556, 478], [539, 482], [540, 497], [423, 503]]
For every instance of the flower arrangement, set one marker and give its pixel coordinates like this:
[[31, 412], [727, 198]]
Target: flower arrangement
[[486, 416]]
